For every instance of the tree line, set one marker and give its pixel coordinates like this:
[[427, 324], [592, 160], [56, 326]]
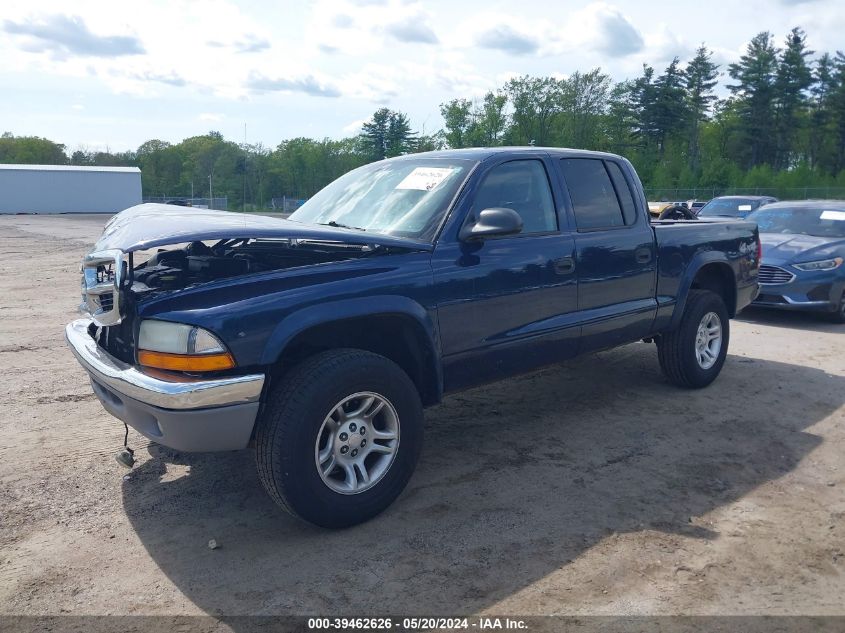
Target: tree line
[[781, 124]]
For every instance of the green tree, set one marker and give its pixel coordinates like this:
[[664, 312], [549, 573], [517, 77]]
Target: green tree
[[31, 150], [585, 97], [491, 120], [669, 108], [535, 101], [386, 134], [793, 78], [755, 92], [821, 112], [700, 78], [457, 120], [837, 106]]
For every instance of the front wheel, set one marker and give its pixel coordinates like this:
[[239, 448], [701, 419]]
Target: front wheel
[[839, 315], [340, 437], [693, 354]]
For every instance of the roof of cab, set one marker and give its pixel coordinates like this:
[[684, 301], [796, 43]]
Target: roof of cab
[[483, 153]]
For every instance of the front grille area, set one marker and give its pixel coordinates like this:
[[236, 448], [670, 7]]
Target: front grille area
[[103, 275], [774, 275], [106, 301]]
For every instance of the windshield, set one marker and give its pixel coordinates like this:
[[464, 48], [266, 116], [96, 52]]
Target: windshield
[[729, 207], [818, 221], [406, 198]]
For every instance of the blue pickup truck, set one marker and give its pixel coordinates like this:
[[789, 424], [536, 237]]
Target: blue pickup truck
[[320, 339]]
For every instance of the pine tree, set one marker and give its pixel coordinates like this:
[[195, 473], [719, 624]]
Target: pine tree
[[822, 90], [794, 77], [400, 139], [699, 79], [838, 113], [387, 134], [621, 119], [643, 98], [374, 134], [755, 74]]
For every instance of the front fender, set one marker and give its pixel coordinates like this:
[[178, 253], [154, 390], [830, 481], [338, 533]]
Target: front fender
[[301, 320]]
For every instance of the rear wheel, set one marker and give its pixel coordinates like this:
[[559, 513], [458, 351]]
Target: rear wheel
[[340, 437], [693, 354]]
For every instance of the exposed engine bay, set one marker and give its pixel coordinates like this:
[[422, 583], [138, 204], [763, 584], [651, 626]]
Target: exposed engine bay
[[199, 262]]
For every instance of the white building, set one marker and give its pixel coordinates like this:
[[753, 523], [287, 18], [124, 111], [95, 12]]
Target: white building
[[68, 189]]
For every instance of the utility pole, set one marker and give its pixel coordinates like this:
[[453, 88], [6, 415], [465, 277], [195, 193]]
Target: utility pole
[[210, 196], [243, 197]]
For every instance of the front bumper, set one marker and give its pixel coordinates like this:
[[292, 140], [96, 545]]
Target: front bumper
[[185, 414], [810, 293]]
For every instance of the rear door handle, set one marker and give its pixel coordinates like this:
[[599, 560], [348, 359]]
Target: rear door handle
[[564, 265], [643, 255]]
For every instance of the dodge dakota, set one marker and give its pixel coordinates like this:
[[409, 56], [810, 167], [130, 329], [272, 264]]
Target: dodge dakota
[[319, 339]]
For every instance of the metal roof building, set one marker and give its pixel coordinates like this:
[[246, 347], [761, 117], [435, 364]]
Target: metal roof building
[[68, 189]]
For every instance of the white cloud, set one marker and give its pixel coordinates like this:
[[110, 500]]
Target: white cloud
[[63, 36], [411, 29], [308, 84], [606, 29], [213, 117], [363, 27], [506, 38], [597, 27], [352, 128]]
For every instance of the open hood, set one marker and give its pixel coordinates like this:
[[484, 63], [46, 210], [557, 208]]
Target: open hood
[[149, 225]]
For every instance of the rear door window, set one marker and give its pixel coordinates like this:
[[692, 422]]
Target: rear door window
[[593, 196], [623, 192]]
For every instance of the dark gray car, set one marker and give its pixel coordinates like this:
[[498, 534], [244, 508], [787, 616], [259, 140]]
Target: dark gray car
[[734, 206]]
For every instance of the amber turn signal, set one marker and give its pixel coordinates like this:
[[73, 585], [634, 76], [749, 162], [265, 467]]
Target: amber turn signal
[[186, 362]]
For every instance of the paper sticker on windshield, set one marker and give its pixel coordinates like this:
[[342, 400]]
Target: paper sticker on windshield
[[425, 178], [744, 207], [832, 215]]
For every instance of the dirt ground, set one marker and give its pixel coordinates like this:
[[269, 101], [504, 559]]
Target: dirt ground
[[593, 487]]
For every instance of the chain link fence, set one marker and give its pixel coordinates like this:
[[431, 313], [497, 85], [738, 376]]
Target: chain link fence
[[286, 204], [784, 193]]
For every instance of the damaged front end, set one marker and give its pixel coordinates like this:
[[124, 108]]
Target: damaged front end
[[173, 386], [103, 276], [153, 249]]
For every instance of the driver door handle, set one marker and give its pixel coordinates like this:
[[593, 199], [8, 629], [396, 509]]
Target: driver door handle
[[643, 255], [564, 265]]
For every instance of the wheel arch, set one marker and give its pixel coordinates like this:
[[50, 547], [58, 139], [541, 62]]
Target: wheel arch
[[401, 330], [708, 271]]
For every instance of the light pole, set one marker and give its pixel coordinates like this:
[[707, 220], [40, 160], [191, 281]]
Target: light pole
[[210, 195]]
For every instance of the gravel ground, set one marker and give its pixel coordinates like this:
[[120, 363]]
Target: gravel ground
[[592, 487]]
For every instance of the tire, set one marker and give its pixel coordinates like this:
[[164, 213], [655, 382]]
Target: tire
[[301, 422], [839, 315], [678, 350], [676, 212]]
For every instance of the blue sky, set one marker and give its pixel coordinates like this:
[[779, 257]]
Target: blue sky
[[113, 74]]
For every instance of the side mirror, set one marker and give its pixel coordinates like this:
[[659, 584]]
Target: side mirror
[[494, 222]]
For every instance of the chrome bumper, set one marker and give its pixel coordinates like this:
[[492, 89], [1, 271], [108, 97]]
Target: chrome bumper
[[184, 394]]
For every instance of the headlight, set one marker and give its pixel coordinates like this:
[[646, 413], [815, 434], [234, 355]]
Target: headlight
[[180, 347], [822, 264]]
